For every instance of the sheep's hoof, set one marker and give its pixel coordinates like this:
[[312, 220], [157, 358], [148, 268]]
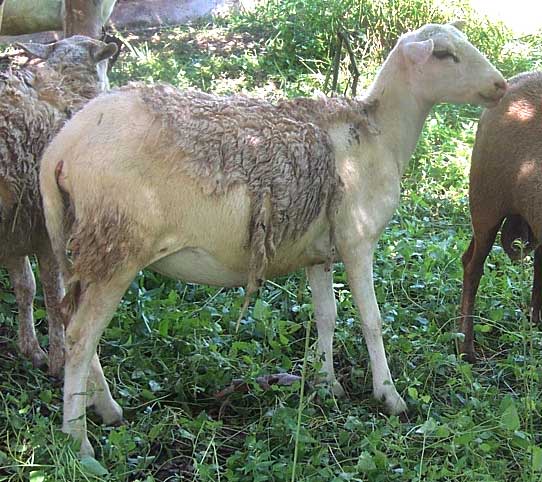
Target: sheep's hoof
[[403, 417], [118, 423], [35, 354], [338, 390], [110, 413], [394, 403], [79, 435], [39, 359], [86, 449], [535, 316], [469, 356], [56, 368]]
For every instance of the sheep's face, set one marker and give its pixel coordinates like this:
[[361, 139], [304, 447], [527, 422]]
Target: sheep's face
[[77, 53], [443, 66]]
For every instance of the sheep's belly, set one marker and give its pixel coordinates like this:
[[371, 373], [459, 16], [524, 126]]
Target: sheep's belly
[[195, 265]]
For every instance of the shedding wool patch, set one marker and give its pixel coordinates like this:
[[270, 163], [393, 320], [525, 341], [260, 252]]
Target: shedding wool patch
[[282, 153]]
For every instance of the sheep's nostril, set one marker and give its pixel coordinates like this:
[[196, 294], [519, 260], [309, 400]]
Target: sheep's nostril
[[501, 85]]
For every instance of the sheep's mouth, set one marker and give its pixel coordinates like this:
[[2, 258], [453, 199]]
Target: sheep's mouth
[[490, 100]]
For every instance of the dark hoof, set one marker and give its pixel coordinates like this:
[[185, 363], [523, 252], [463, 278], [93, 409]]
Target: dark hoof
[[469, 356], [118, 423], [56, 373], [403, 417]]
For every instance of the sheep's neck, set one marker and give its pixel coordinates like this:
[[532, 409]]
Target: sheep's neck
[[401, 115]]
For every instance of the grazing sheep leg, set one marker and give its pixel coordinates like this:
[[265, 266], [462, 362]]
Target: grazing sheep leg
[[536, 298], [97, 305], [325, 312], [359, 268], [53, 290], [473, 267], [24, 285]]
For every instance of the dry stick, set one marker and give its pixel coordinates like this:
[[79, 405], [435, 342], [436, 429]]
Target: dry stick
[[243, 311], [336, 64], [301, 394], [353, 66]]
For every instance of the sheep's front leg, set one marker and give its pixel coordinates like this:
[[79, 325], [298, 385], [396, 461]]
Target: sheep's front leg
[[473, 267], [53, 290], [24, 286], [325, 312], [358, 262]]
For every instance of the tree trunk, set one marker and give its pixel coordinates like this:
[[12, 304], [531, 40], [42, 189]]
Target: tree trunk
[[1, 12], [86, 17]]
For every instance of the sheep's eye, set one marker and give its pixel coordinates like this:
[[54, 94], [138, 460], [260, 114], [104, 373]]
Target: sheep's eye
[[445, 54]]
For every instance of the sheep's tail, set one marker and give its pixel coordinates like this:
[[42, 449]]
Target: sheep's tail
[[515, 227], [59, 218]]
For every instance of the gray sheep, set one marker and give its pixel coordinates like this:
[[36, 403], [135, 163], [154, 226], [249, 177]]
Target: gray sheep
[[38, 93]]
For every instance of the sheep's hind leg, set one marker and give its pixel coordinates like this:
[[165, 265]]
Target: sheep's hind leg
[[96, 307], [53, 290], [24, 286], [536, 297], [325, 312], [473, 267], [101, 399], [358, 262]]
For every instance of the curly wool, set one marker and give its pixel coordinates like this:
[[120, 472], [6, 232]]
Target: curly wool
[[35, 101], [282, 153]]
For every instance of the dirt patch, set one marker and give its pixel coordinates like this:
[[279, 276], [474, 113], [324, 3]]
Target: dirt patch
[[151, 13]]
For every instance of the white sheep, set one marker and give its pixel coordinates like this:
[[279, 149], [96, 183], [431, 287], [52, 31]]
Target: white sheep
[[229, 191], [36, 98]]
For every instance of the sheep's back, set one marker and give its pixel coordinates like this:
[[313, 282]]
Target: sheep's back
[[279, 152], [224, 141], [26, 126], [506, 168]]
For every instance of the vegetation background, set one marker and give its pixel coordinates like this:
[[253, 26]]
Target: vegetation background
[[173, 345]]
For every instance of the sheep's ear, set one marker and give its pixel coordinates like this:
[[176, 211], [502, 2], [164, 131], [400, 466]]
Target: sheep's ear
[[459, 24], [41, 51], [102, 53], [418, 52]]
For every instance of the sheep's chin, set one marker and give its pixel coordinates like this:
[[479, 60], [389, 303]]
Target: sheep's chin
[[488, 101]]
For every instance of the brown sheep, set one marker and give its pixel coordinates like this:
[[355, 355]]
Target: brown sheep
[[36, 98], [505, 184]]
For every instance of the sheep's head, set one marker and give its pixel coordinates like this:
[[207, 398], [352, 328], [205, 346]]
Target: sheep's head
[[80, 53], [443, 66]]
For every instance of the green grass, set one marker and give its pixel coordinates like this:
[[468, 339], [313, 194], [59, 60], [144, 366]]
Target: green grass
[[172, 345]]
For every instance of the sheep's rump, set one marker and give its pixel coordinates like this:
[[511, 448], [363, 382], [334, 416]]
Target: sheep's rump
[[282, 153]]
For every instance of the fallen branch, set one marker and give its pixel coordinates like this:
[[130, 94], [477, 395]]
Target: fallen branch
[[265, 381]]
